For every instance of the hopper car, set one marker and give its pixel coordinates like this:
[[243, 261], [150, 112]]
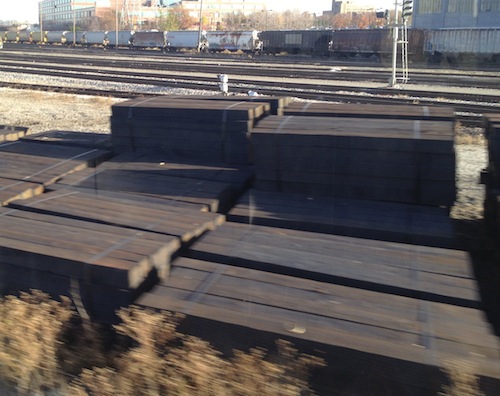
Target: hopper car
[[452, 45]]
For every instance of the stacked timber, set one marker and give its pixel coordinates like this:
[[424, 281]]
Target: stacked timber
[[388, 221], [11, 133], [491, 177], [103, 265], [28, 167], [407, 161], [214, 130], [278, 103], [154, 177], [72, 138], [353, 110]]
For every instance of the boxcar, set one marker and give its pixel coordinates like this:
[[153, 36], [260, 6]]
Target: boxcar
[[149, 39], [246, 41], [309, 42]]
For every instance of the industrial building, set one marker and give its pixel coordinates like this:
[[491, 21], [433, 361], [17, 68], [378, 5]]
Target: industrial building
[[438, 14], [350, 6]]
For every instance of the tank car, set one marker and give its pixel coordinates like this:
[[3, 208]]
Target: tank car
[[149, 39], [310, 42], [459, 45], [246, 41]]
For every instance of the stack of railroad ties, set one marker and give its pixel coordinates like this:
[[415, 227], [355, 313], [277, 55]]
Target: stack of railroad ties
[[255, 212], [491, 175]]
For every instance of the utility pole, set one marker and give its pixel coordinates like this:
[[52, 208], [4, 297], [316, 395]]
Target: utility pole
[[395, 38], [201, 25], [41, 22], [116, 23], [74, 23]]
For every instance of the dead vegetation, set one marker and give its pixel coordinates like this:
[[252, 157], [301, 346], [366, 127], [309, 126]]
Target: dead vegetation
[[157, 359]]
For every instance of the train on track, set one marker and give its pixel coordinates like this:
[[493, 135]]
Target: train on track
[[434, 45]]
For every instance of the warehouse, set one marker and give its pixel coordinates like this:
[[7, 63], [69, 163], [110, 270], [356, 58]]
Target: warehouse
[[437, 14]]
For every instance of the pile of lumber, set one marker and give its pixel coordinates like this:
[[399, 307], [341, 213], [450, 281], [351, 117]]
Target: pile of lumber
[[11, 133], [214, 130], [407, 161], [353, 110], [28, 167], [491, 176]]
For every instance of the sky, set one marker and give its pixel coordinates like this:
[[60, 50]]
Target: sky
[[26, 10]]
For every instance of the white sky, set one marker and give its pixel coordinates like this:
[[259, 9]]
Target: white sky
[[26, 10]]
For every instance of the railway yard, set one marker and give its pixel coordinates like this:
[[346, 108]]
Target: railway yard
[[330, 209]]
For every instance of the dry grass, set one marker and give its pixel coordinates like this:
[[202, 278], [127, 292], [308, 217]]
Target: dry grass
[[30, 327], [160, 360], [469, 135], [463, 381]]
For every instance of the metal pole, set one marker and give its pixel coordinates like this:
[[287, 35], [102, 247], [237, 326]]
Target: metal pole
[[395, 34], [41, 22], [116, 22], [201, 25], [74, 24]]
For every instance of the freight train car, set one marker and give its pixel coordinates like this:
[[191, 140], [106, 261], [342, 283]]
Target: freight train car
[[77, 38], [459, 45], [246, 41], [373, 44], [310, 42], [185, 40], [94, 39], [124, 38], [24, 36], [55, 37], [10, 36], [149, 39], [38, 36], [361, 43]]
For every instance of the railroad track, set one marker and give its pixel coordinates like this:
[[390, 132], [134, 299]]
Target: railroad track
[[308, 81], [321, 69]]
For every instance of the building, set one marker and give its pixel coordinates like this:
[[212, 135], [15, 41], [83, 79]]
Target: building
[[214, 11], [136, 12], [438, 14], [350, 6]]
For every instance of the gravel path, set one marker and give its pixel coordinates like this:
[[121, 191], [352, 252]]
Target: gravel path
[[42, 112]]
